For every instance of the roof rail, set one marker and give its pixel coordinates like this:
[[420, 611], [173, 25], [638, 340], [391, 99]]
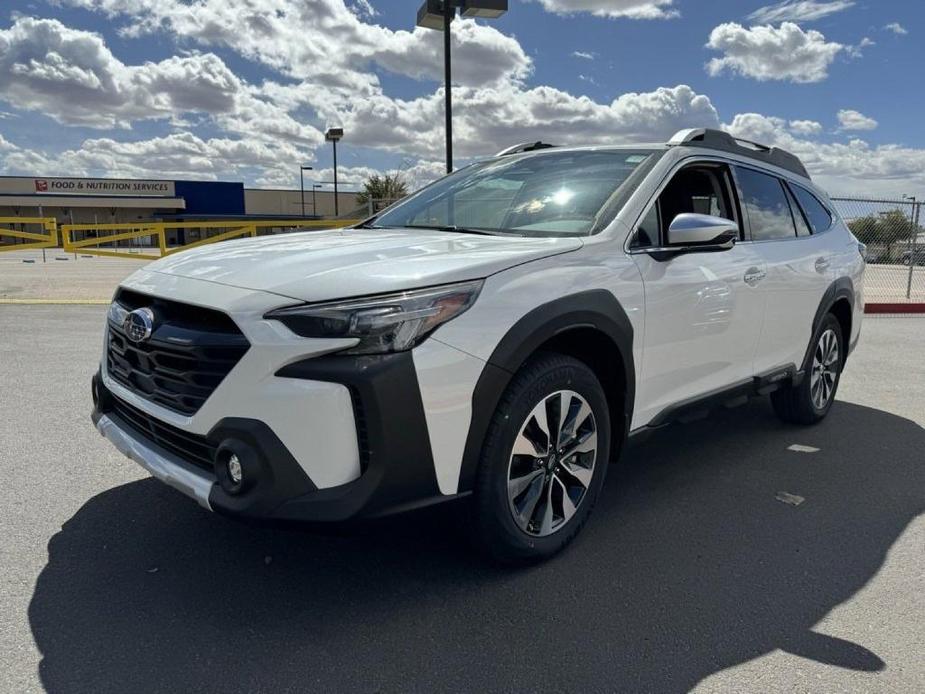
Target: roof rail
[[524, 147], [721, 140]]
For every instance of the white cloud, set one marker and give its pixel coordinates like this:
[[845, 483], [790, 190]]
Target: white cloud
[[805, 127], [322, 56], [854, 120], [71, 76], [799, 10], [849, 168], [858, 50], [490, 119], [583, 55], [181, 155], [632, 9], [323, 41], [768, 53], [896, 28]]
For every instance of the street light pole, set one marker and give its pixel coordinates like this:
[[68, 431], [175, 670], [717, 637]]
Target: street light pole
[[336, 210], [333, 135], [448, 12], [439, 14]]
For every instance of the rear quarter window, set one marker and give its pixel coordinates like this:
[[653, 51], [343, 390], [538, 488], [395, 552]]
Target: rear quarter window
[[820, 219]]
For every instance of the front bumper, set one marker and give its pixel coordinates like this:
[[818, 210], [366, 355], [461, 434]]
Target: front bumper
[[397, 469], [165, 467]]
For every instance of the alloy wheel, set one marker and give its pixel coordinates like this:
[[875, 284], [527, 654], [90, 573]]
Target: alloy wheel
[[552, 463], [825, 369]]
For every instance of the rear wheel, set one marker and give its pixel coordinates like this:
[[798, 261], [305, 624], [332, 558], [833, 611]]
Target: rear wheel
[[811, 401], [544, 460]]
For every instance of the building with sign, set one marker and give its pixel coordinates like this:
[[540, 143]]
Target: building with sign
[[82, 200]]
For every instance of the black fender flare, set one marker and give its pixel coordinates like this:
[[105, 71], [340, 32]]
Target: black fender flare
[[598, 309], [842, 288]]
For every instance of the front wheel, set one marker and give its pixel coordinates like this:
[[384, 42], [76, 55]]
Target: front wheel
[[544, 460], [811, 401]]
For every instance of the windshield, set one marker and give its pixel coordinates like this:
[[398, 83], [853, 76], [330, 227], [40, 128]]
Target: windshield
[[547, 194]]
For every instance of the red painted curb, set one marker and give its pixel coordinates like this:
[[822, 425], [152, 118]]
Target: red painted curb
[[894, 308]]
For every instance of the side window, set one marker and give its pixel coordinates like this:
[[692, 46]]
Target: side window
[[820, 219], [766, 205], [798, 218], [647, 232], [701, 189]]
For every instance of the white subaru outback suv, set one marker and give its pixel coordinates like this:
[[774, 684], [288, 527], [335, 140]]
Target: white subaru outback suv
[[499, 334]]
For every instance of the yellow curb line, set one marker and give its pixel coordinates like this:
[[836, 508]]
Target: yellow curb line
[[55, 302]]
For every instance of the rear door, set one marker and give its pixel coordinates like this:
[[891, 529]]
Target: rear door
[[703, 310], [797, 261]]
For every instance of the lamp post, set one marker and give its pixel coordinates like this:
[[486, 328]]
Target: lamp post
[[439, 14], [302, 170], [332, 136]]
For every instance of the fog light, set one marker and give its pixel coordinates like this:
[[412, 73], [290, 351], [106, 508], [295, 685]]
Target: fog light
[[234, 469], [237, 467]]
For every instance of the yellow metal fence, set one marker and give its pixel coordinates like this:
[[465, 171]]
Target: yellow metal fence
[[149, 240], [48, 238]]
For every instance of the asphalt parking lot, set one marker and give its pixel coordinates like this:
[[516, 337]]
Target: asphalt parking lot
[[691, 575]]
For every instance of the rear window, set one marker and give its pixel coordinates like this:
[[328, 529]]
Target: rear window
[[820, 219]]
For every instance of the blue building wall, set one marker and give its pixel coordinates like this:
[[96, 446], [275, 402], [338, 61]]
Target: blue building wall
[[211, 197]]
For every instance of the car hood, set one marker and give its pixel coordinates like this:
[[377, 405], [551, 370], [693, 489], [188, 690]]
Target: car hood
[[321, 265]]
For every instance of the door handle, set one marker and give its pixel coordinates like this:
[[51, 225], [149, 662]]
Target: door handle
[[754, 275], [822, 264]]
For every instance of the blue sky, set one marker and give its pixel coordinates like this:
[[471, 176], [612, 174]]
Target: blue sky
[[220, 89]]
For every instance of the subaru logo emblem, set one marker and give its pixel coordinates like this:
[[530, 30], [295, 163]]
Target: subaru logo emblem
[[139, 324]]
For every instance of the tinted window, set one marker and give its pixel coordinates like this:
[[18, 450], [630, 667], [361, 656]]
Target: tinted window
[[819, 218], [766, 206], [700, 189], [647, 231], [798, 218]]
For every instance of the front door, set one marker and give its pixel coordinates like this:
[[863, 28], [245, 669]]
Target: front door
[[704, 311]]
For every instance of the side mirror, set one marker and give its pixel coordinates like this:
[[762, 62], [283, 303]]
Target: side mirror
[[703, 232]]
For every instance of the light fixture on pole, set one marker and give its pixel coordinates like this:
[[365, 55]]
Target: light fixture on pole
[[332, 136], [302, 170], [439, 14]]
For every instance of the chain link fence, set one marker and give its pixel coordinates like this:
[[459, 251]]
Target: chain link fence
[[895, 239]]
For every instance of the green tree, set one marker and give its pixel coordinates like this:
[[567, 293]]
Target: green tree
[[865, 229], [385, 187], [884, 230]]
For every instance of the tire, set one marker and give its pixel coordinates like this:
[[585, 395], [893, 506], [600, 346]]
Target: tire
[[563, 485], [810, 401]]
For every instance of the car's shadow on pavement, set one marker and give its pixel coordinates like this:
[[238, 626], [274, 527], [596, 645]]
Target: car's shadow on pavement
[[689, 565]]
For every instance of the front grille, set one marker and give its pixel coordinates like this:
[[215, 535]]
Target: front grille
[[189, 353], [191, 448]]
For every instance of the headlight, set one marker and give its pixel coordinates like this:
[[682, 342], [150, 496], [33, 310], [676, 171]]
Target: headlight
[[388, 323]]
